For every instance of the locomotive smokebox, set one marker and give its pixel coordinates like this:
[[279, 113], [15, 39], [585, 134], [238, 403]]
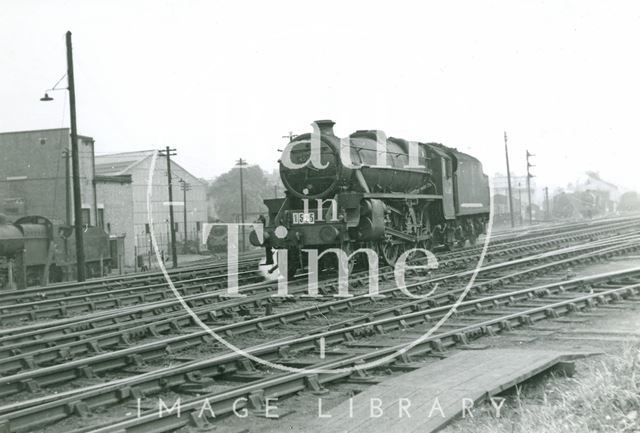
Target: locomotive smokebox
[[310, 167], [11, 240]]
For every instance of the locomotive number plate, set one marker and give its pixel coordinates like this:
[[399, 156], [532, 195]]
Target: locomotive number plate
[[303, 218]]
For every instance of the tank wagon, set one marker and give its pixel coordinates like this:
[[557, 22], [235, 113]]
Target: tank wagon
[[387, 194], [34, 251]]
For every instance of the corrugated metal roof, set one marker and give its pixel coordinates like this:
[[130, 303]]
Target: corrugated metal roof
[[115, 164], [120, 163]]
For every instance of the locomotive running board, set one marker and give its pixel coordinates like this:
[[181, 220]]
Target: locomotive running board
[[401, 196]]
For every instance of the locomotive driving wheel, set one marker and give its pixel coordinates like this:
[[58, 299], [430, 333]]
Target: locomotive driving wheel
[[390, 251]]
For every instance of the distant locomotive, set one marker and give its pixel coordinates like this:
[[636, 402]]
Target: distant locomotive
[[34, 251], [217, 239], [389, 207], [584, 204]]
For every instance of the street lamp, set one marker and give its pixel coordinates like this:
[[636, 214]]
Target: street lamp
[[75, 163]]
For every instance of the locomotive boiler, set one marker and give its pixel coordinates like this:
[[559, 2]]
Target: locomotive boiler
[[34, 251], [367, 190]]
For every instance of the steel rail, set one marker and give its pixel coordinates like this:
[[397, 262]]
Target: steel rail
[[46, 351], [111, 299], [216, 368], [23, 419], [68, 290], [287, 384], [9, 297]]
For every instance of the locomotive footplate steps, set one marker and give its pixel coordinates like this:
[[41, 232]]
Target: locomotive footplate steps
[[427, 399]]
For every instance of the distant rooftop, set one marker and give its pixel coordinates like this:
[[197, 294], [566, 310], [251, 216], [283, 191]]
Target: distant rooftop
[[119, 163], [116, 164]]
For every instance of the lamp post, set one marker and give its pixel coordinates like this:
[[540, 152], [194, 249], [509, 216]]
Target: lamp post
[[75, 163]]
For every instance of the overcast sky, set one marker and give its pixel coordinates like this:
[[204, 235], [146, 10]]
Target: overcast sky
[[223, 80]]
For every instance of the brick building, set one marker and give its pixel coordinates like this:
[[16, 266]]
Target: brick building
[[34, 177], [35, 180], [115, 198]]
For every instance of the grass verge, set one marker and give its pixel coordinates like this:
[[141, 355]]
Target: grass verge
[[603, 396]]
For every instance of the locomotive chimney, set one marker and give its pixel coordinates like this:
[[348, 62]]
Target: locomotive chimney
[[325, 126]]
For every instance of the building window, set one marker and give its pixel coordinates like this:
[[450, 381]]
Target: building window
[[198, 227], [86, 216], [108, 227], [100, 222], [146, 229], [176, 227]]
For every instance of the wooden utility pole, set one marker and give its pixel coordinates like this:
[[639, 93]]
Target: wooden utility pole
[[529, 176], [67, 186], [506, 153], [168, 152], [75, 166], [520, 204], [242, 163], [546, 203], [185, 186]]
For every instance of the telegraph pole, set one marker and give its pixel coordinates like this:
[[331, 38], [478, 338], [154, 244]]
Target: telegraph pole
[[185, 186], [168, 152], [75, 165], [242, 163], [546, 200], [506, 153], [520, 204], [67, 186], [529, 176]]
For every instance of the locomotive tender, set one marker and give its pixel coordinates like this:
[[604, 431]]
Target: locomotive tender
[[367, 190], [34, 251]]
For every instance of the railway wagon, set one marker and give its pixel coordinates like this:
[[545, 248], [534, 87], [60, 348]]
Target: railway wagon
[[217, 239], [387, 194], [34, 251]]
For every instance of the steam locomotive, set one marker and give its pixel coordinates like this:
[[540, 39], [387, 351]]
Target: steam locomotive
[[34, 252], [367, 190]]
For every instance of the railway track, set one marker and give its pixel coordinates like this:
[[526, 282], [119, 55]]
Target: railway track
[[353, 321], [33, 346], [145, 279], [193, 272], [54, 305], [554, 301]]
